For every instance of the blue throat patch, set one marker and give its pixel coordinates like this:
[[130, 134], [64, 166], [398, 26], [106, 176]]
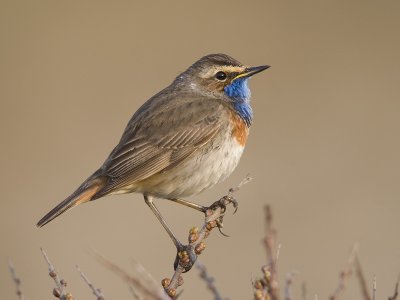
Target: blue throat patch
[[238, 91]]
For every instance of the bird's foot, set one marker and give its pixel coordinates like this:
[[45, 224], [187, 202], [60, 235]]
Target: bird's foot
[[185, 257], [222, 204]]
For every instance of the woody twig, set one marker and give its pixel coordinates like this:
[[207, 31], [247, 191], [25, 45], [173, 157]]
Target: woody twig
[[187, 257], [17, 281], [97, 292], [59, 291]]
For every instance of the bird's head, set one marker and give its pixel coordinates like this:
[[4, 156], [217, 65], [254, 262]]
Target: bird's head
[[220, 76]]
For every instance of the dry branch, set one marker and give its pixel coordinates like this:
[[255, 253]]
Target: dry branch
[[396, 290], [142, 281], [60, 290], [96, 292], [287, 292], [17, 281], [267, 286], [210, 281], [344, 275], [361, 279], [134, 294], [303, 291], [272, 253], [374, 288]]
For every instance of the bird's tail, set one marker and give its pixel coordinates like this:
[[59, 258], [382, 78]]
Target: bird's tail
[[83, 194]]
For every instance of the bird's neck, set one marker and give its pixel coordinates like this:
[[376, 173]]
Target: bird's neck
[[239, 94]]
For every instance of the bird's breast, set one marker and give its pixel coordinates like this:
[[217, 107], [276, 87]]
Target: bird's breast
[[240, 130], [210, 164]]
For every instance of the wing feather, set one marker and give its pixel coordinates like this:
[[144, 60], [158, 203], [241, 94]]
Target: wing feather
[[161, 140]]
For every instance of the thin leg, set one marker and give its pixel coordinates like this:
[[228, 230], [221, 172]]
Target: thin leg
[[195, 206], [154, 209]]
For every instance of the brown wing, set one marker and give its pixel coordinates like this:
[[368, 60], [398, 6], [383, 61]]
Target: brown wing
[[160, 140]]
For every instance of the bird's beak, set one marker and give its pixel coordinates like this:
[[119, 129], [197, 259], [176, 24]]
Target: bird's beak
[[250, 71]]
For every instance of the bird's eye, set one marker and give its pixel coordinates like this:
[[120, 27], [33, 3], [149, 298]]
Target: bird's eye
[[220, 75]]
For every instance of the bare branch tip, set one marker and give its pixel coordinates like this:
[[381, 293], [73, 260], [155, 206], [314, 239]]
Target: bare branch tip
[[209, 280], [244, 181], [148, 288], [365, 291], [134, 294], [396, 289], [374, 288], [97, 292], [16, 280]]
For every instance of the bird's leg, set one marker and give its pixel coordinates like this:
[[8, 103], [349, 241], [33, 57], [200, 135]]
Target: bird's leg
[[154, 209], [183, 251], [195, 206]]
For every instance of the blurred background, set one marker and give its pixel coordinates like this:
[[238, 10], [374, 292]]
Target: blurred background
[[323, 150]]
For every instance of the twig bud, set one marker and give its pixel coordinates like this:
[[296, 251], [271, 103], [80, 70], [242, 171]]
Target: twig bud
[[258, 284], [56, 293], [52, 274], [180, 280], [267, 272], [194, 230], [165, 282], [171, 293], [69, 296], [259, 295], [183, 254], [267, 275], [211, 225], [184, 261], [193, 237], [199, 248]]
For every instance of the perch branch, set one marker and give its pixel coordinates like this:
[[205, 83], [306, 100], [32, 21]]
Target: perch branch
[[187, 257]]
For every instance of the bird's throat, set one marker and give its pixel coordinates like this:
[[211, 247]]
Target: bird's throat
[[239, 93]]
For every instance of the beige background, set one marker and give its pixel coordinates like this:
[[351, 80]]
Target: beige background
[[324, 148]]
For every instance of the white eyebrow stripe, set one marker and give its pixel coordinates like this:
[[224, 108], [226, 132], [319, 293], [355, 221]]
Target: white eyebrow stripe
[[229, 69]]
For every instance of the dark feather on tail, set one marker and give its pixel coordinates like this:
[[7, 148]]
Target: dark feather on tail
[[83, 194]]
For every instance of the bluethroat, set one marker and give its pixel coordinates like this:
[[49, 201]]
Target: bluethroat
[[183, 140]]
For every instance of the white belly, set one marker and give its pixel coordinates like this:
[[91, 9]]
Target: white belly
[[202, 170]]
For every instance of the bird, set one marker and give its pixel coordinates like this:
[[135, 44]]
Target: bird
[[183, 140]]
